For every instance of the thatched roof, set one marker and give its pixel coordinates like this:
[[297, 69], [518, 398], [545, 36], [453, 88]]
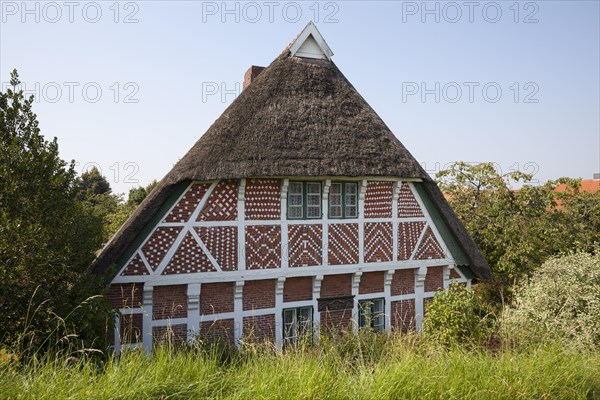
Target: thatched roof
[[299, 117]]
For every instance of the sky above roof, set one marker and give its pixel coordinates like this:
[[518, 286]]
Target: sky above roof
[[129, 87]]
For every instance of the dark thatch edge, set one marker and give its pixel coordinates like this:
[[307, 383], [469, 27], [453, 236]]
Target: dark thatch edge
[[265, 132]]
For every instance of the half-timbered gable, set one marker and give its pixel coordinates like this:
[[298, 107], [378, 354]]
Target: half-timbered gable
[[262, 233]]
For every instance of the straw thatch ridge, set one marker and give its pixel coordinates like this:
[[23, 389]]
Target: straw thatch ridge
[[300, 117]]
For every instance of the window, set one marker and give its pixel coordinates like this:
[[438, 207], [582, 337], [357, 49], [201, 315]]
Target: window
[[304, 200], [343, 200], [371, 313], [297, 323]]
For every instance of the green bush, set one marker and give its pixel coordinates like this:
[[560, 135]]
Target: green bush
[[561, 302], [457, 317]]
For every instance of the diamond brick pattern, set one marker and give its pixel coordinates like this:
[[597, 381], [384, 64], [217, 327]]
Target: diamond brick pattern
[[158, 244], [135, 267], [263, 199], [188, 203], [407, 204], [378, 242], [222, 202], [263, 247], [343, 244], [378, 199], [408, 236], [429, 248], [305, 245], [189, 258], [222, 243]]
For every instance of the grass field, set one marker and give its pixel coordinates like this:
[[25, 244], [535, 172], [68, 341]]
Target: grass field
[[366, 367]]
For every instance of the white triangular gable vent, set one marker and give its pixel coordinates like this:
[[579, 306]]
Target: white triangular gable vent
[[310, 44]]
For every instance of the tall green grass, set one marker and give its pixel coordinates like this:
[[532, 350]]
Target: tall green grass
[[366, 366]]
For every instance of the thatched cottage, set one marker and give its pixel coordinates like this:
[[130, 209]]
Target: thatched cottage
[[298, 208]]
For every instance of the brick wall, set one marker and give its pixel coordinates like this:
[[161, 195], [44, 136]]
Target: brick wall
[[169, 302], [403, 282], [305, 245], [263, 199], [454, 274], [131, 328], [378, 199], [127, 295], [263, 247], [336, 285], [379, 244], [297, 289], [260, 328], [216, 298], [403, 315], [371, 282], [221, 330], [174, 333], [336, 320], [259, 294], [434, 279]]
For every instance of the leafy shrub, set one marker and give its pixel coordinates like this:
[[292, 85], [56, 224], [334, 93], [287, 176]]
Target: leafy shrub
[[560, 302], [457, 316]]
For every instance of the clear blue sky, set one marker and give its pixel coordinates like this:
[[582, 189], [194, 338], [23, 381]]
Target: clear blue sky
[[177, 53]]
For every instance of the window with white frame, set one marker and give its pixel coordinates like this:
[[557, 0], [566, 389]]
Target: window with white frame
[[304, 200], [371, 314], [343, 200], [297, 324]]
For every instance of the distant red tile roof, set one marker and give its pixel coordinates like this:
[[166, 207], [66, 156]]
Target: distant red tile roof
[[587, 185]]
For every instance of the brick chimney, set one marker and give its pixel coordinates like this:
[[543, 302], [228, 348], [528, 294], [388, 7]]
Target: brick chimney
[[251, 75]]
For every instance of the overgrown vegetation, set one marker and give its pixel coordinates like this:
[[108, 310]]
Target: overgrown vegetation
[[560, 302], [47, 238], [355, 367], [458, 317], [518, 230]]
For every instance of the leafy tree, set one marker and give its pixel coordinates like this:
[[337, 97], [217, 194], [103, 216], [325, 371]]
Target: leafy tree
[[124, 209], [517, 230], [95, 193], [138, 194], [47, 237]]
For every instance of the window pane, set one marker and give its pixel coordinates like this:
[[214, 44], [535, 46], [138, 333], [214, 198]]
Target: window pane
[[314, 211], [363, 313], [289, 323], [379, 315], [313, 199], [335, 211], [351, 211], [295, 199], [351, 188], [313, 188], [305, 320], [336, 188], [295, 188], [295, 212], [378, 306]]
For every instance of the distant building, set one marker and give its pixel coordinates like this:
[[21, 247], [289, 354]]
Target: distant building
[[297, 208]]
